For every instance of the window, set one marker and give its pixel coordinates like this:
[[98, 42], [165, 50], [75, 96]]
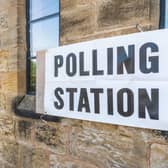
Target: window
[[42, 33], [164, 14]]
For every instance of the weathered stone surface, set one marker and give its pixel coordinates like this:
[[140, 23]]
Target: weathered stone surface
[[3, 60], [21, 62], [10, 97], [54, 136], [67, 4], [26, 156], [6, 127], [115, 13], [108, 33], [8, 39], [3, 21], [8, 82], [86, 2], [109, 148], [8, 107], [40, 158], [31, 157], [159, 156], [23, 129], [12, 60], [22, 84], [155, 11], [67, 162], [77, 23], [9, 153], [2, 102]]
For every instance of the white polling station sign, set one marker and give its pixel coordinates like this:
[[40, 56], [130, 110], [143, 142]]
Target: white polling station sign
[[118, 80]]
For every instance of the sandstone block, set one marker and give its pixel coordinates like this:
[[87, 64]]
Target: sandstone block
[[67, 162], [23, 129], [9, 153], [3, 21], [26, 156], [67, 4], [54, 137], [104, 148], [9, 38], [8, 82], [121, 13], [40, 158], [31, 157], [12, 59], [6, 127], [3, 99], [3, 60], [159, 156], [77, 23]]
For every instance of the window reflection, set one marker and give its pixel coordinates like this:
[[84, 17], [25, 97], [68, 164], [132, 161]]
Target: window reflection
[[41, 8], [43, 32], [166, 24]]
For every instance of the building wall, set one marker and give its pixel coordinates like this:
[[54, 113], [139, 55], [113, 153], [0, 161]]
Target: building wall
[[30, 143]]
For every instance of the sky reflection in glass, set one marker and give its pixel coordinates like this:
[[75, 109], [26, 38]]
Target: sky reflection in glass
[[45, 34], [44, 30], [41, 8], [166, 14]]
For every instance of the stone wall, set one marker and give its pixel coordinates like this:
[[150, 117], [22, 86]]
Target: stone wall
[[30, 143]]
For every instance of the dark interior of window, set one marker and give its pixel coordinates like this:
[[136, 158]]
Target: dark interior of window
[[163, 14]]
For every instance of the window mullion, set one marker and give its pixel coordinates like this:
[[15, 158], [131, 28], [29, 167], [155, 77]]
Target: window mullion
[[44, 18]]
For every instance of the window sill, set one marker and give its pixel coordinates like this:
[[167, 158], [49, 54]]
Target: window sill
[[27, 108]]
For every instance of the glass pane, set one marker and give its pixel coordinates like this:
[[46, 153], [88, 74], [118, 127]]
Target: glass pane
[[166, 14], [40, 8], [44, 34], [32, 75]]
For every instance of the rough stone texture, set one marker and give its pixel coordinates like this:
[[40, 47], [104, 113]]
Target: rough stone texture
[[31, 157], [67, 162], [115, 147], [23, 129], [54, 136], [119, 13], [6, 126], [106, 16], [28, 143], [159, 156], [3, 60], [40, 158], [26, 156], [2, 103], [3, 21], [9, 153], [78, 22]]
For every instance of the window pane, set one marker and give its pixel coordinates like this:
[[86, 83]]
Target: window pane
[[166, 14], [40, 8], [44, 34]]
